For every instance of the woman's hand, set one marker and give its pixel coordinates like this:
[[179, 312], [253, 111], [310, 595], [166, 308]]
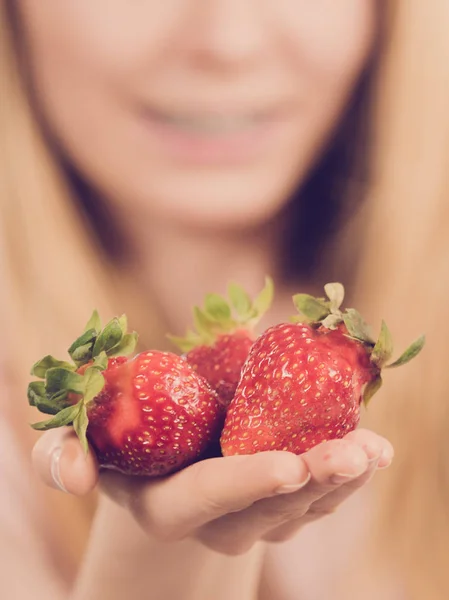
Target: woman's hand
[[227, 503]]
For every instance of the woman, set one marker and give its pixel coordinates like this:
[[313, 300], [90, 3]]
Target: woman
[[149, 148]]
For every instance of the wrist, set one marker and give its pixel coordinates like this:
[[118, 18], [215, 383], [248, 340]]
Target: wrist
[[122, 561]]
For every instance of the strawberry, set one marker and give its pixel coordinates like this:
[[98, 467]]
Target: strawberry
[[224, 335], [148, 415], [304, 382]]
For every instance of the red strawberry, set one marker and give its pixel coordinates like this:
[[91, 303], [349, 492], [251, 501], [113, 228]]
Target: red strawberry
[[221, 343], [303, 382], [221, 363], [151, 415]]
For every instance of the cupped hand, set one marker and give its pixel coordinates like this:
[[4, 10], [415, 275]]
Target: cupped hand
[[228, 503]]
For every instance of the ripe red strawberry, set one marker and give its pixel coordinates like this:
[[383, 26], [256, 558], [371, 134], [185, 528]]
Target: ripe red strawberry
[[220, 345], [303, 382], [150, 415]]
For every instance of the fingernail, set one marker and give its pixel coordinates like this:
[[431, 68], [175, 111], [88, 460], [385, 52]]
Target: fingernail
[[293, 487], [55, 469], [374, 461], [385, 465], [341, 478]]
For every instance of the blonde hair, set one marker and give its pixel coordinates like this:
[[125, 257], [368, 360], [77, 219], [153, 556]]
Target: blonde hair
[[404, 276], [54, 273]]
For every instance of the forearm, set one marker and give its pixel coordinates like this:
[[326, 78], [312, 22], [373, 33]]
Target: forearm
[[124, 563]]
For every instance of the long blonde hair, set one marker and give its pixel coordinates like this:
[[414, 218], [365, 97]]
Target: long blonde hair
[[54, 273], [404, 277]]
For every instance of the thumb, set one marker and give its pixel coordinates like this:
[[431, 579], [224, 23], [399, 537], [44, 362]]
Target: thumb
[[61, 463]]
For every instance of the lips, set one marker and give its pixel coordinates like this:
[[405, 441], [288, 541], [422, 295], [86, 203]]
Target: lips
[[222, 136], [209, 123]]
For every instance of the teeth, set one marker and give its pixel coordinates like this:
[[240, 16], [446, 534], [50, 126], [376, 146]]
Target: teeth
[[212, 124]]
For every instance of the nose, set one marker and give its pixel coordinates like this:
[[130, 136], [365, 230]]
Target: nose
[[228, 32]]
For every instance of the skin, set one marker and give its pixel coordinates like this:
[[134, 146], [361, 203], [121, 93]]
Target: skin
[[228, 503], [96, 77], [95, 81]]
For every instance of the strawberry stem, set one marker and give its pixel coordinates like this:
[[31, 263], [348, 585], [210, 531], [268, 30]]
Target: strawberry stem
[[59, 379], [220, 315], [317, 312]]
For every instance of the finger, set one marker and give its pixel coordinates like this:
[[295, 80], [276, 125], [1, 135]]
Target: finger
[[380, 454], [325, 506], [61, 463], [328, 463], [174, 506], [334, 479], [374, 445]]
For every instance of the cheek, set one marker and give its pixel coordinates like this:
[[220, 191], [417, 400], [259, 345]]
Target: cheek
[[101, 34], [331, 39], [330, 43], [85, 58]]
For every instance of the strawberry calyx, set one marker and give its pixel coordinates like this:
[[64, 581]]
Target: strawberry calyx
[[327, 313], [61, 381], [220, 316]]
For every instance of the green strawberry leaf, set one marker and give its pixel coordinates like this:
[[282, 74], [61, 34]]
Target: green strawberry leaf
[[94, 323], [111, 335], [220, 316], [38, 398], [48, 408], [101, 361], [203, 324], [127, 345], [94, 382], [370, 389], [40, 368], [336, 294], [80, 423], [383, 350], [36, 392], [217, 308], [123, 322], [63, 418], [412, 351], [332, 321], [264, 299], [62, 380], [240, 300], [59, 397], [185, 344], [313, 309], [82, 354], [86, 339], [356, 326]]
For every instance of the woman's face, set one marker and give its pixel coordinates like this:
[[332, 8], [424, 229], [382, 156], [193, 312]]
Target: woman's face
[[203, 111]]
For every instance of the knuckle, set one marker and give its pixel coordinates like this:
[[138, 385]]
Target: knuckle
[[278, 472]]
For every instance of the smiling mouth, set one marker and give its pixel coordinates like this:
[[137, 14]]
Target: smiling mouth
[[215, 137], [212, 124]]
